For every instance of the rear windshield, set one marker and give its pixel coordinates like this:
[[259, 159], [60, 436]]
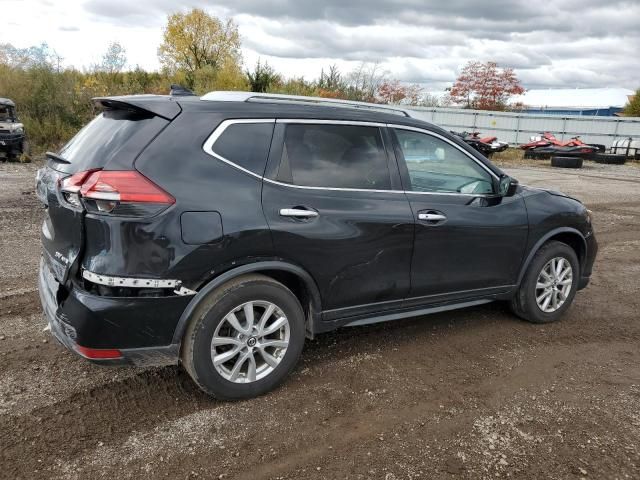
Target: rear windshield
[[114, 135]]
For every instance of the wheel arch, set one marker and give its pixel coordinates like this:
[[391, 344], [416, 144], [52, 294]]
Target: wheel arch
[[292, 276], [567, 235]]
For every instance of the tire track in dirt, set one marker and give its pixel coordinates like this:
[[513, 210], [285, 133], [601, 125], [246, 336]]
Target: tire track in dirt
[[57, 431], [432, 388], [347, 421]]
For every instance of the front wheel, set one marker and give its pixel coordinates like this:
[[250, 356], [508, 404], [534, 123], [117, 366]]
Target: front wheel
[[549, 284], [245, 338]]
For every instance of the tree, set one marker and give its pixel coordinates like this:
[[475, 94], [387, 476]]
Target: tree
[[35, 56], [332, 80], [485, 86], [394, 92], [114, 59], [363, 82], [195, 40], [429, 100], [262, 78], [632, 109], [229, 77]]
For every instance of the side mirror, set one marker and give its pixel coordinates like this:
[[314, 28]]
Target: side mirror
[[507, 186]]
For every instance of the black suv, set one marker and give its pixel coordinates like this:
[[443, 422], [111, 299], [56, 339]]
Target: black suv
[[220, 231]]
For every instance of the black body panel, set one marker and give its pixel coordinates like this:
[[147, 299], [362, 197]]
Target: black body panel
[[367, 253], [358, 248], [199, 182], [552, 214], [480, 245]]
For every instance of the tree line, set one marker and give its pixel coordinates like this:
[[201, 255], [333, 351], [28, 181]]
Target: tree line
[[203, 53]]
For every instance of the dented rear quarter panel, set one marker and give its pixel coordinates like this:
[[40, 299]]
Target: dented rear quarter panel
[[154, 247]]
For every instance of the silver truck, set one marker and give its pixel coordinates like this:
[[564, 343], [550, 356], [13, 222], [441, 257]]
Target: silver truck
[[13, 140]]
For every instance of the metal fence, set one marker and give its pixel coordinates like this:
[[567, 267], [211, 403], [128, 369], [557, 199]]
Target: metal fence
[[516, 128]]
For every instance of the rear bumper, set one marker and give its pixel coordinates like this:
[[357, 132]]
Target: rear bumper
[[140, 329]]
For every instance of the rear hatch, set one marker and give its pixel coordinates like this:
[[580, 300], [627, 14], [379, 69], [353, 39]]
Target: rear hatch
[[108, 145]]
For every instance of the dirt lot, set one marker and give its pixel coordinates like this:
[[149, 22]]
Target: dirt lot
[[468, 394]]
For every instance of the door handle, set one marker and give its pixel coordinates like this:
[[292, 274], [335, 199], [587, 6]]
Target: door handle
[[432, 217], [298, 213]]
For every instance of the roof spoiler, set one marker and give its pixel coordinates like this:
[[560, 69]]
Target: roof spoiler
[[159, 105]]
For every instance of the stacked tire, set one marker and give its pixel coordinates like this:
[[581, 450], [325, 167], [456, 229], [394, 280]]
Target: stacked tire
[[610, 159], [566, 162]]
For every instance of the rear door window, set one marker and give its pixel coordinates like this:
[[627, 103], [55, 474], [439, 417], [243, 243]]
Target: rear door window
[[246, 145], [334, 156]]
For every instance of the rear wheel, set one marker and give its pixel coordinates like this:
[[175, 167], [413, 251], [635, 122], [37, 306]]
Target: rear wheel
[[245, 338], [549, 284]]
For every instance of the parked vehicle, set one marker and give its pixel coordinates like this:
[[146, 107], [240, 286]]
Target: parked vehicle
[[218, 232], [546, 145], [13, 141], [485, 145]]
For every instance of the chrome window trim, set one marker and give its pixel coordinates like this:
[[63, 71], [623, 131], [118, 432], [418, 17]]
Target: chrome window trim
[[331, 189], [311, 121], [211, 140]]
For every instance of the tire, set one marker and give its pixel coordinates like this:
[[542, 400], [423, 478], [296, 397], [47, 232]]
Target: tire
[[524, 303], [610, 159], [566, 162], [211, 316]]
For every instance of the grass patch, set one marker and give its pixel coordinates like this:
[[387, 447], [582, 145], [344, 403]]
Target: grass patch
[[514, 157]]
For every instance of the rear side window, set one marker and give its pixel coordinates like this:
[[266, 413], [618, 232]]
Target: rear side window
[[113, 135], [246, 145], [334, 156]]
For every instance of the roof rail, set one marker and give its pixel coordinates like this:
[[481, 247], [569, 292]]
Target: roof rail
[[233, 96]]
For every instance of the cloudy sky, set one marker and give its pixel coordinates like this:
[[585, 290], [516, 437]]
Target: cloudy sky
[[555, 43]]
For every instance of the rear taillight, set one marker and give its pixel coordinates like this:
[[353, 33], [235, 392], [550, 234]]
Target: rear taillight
[[118, 192], [70, 187]]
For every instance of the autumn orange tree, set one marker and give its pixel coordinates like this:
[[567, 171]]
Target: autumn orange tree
[[394, 92], [485, 86]]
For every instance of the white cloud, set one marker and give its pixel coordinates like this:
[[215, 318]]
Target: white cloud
[[426, 42]]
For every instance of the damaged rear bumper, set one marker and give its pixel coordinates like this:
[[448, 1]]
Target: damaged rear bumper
[[111, 330]]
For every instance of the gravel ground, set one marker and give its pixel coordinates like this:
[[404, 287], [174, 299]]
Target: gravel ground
[[471, 394]]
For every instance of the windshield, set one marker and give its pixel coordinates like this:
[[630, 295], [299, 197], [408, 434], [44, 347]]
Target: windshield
[[6, 113]]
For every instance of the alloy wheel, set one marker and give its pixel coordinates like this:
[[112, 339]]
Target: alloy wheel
[[554, 284], [250, 341]]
